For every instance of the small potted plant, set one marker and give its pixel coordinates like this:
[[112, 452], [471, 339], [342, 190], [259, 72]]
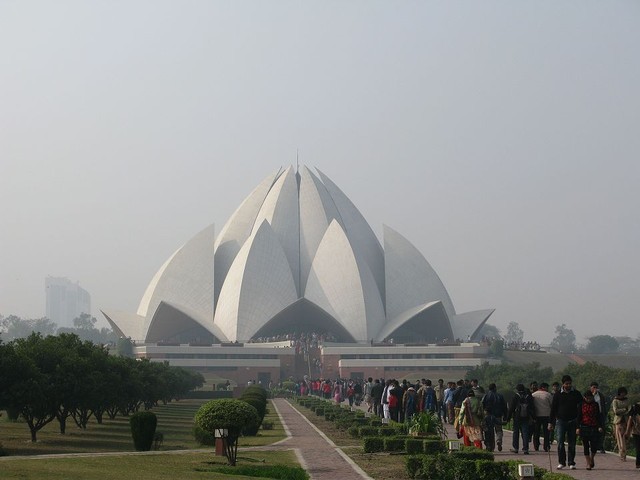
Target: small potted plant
[[426, 423]]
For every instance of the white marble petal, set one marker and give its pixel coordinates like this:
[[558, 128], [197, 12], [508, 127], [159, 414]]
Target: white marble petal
[[343, 286], [258, 286], [359, 232], [280, 209], [185, 279], [317, 210], [237, 229], [410, 280], [468, 324]]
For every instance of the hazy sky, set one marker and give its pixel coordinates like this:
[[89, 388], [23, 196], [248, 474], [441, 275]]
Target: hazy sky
[[501, 138]]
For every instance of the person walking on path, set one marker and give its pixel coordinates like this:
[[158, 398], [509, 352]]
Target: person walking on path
[[589, 427], [542, 400], [494, 402], [521, 411], [470, 420], [601, 400], [620, 407], [564, 415], [633, 429]]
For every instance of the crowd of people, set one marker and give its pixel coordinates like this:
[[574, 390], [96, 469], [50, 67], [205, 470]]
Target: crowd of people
[[538, 413]]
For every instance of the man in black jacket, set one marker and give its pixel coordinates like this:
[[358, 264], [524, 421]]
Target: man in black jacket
[[564, 415], [376, 397], [600, 399]]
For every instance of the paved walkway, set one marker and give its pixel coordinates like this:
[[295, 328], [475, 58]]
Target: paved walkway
[[317, 453], [608, 465]]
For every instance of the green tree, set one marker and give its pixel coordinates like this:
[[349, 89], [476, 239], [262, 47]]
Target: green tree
[[514, 333], [15, 327], [565, 339], [507, 376], [497, 347], [602, 344], [230, 415], [490, 331], [35, 393]]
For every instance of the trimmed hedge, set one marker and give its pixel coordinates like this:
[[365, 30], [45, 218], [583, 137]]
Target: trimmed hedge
[[432, 447], [387, 431], [394, 444], [279, 472], [472, 453], [373, 444], [367, 431], [413, 446]]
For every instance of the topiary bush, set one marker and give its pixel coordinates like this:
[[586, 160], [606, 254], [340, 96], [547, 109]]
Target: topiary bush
[[231, 415], [143, 429], [258, 400], [203, 437]]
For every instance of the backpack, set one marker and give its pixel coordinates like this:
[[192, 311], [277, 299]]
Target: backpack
[[523, 408], [393, 401]]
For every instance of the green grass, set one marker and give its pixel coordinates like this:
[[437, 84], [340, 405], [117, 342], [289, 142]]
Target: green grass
[[175, 421], [153, 467]]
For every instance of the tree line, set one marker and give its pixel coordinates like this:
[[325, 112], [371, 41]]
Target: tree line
[[13, 327], [565, 340], [507, 376], [61, 377]]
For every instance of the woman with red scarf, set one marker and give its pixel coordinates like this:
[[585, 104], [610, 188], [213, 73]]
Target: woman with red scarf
[[589, 427]]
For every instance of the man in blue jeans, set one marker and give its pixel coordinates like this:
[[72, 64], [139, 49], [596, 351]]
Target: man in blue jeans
[[564, 415]]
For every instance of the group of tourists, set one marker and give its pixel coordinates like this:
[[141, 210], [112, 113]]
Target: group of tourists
[[538, 413]]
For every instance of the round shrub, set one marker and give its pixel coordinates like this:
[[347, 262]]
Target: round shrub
[[203, 437], [232, 415], [143, 429]]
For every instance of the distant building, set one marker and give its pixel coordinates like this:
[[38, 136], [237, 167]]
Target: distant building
[[65, 301]]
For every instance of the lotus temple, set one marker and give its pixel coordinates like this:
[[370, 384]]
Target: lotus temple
[[297, 282]]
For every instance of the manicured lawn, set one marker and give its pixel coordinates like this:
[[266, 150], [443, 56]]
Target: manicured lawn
[[175, 421], [141, 467]]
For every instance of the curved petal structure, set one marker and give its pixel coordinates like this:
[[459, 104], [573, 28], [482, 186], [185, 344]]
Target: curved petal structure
[[296, 256], [258, 286], [126, 324], [359, 233], [317, 210], [175, 324], [185, 279], [237, 230], [410, 280], [342, 284], [426, 323], [467, 325], [280, 209]]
